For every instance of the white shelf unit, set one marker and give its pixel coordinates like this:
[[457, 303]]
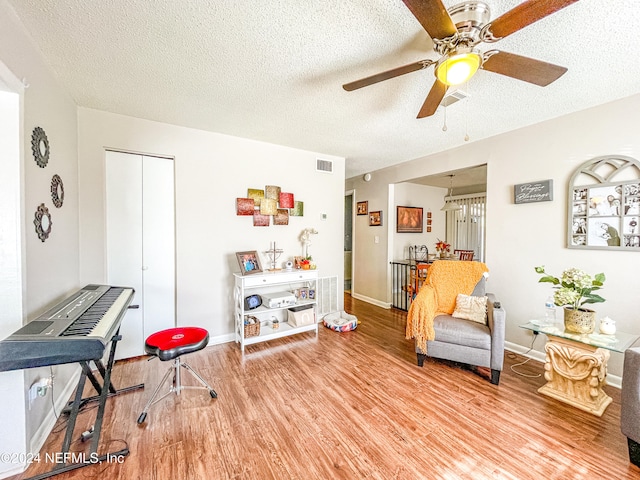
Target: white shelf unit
[[270, 282]]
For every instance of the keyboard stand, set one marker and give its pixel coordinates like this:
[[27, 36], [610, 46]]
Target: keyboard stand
[[73, 460]]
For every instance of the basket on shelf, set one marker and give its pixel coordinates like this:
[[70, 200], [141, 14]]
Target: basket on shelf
[[251, 326]]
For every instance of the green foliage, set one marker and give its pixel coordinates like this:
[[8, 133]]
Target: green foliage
[[574, 288]]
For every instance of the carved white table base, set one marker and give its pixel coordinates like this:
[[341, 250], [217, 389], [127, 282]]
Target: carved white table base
[[575, 374]]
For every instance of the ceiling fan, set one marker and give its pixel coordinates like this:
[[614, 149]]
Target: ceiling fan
[[457, 31]]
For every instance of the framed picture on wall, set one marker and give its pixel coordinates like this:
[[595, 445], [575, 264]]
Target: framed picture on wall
[[605, 215], [363, 208], [408, 219], [375, 219]]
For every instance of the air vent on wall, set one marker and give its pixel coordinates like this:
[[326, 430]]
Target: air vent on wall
[[327, 296], [324, 165], [453, 97]]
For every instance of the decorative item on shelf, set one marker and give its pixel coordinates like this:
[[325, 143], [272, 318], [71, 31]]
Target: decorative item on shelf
[[40, 147], [274, 253], [573, 290], [251, 326], [275, 323], [305, 263], [305, 238], [442, 248], [249, 262], [43, 222], [607, 326], [57, 191]]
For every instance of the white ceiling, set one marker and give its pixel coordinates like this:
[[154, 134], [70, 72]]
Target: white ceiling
[[273, 70]]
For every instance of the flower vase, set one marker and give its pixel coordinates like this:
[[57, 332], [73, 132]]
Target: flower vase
[[581, 320]]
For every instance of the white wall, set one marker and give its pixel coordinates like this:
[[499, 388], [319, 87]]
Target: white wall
[[431, 200], [520, 237], [211, 171], [49, 270]]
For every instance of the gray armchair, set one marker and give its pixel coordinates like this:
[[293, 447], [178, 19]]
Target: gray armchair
[[456, 339], [470, 342], [630, 403]]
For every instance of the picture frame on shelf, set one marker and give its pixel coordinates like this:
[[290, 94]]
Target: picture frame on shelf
[[249, 262], [375, 218], [362, 208], [303, 293], [409, 219]]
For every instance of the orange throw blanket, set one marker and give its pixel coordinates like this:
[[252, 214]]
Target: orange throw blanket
[[437, 296]]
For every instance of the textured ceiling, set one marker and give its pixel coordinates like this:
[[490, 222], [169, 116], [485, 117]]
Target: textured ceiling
[[273, 70]]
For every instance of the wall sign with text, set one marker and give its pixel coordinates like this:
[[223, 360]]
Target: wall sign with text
[[541, 191]]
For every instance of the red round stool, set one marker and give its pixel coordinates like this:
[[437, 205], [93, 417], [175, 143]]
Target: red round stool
[[170, 344]]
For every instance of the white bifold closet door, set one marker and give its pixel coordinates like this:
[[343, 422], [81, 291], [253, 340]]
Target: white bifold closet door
[[140, 228]]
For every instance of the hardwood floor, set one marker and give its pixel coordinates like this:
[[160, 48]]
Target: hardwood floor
[[350, 406]]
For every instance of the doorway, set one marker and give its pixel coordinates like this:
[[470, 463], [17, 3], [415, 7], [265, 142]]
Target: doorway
[[348, 240], [13, 416]]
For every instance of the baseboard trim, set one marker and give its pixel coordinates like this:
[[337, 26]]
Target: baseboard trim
[[613, 380], [373, 301], [229, 337]]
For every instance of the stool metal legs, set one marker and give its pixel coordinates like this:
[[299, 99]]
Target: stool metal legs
[[176, 386]]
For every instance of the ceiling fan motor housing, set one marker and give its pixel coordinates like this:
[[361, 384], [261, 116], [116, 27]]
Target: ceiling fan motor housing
[[469, 18]]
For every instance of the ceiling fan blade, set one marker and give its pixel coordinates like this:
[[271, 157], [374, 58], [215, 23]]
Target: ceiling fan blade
[[525, 14], [522, 68], [433, 17], [436, 94], [394, 72]]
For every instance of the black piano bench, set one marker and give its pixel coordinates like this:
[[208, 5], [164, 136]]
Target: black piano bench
[[171, 344]]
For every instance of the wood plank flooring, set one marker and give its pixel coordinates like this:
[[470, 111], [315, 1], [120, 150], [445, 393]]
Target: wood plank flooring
[[349, 406]]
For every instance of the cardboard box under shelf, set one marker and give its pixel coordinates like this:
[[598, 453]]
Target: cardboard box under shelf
[[301, 315]]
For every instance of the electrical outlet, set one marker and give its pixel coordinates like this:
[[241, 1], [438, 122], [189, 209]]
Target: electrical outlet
[[39, 389]]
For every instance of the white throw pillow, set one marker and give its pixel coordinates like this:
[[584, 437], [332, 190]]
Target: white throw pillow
[[471, 308]]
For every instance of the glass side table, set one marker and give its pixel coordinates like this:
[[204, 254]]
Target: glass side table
[[576, 365]]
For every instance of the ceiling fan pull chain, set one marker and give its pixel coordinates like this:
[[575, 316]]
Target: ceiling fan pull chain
[[444, 127]]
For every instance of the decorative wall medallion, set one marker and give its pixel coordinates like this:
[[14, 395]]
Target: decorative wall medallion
[[57, 191], [40, 147], [43, 222]]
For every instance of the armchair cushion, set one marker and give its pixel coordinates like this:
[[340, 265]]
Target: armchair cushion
[[469, 307]]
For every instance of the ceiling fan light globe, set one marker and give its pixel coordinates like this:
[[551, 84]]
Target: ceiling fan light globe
[[458, 68]]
